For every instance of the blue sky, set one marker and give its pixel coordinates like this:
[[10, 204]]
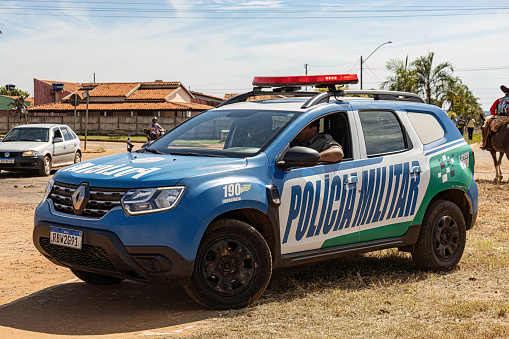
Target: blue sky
[[217, 47]]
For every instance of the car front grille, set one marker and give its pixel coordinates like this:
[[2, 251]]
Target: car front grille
[[101, 201], [89, 256], [11, 154]]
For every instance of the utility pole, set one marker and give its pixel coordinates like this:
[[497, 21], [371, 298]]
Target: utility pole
[[363, 61], [87, 94], [306, 67]]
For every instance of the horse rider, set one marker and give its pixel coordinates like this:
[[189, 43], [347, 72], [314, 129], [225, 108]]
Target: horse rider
[[499, 107]]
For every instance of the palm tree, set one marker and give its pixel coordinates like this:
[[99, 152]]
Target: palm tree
[[404, 78], [429, 80]]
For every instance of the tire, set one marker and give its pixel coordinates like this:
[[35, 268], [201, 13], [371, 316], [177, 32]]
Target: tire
[[442, 238], [46, 166], [77, 157], [96, 279], [232, 268]]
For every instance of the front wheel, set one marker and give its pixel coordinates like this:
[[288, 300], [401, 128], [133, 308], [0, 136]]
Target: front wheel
[[442, 238], [96, 279], [46, 166], [77, 157], [232, 268]]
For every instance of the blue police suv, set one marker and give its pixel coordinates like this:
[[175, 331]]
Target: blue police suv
[[224, 198]]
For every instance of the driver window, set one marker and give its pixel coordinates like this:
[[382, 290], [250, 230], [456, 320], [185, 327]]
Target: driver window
[[56, 133], [333, 126]]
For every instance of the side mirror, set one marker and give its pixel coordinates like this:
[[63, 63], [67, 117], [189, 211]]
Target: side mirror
[[130, 145], [299, 157], [1, 139], [56, 140]]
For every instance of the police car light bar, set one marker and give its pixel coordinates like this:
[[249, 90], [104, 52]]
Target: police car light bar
[[306, 80]]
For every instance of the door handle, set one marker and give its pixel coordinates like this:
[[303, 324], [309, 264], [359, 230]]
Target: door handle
[[351, 180], [415, 170]]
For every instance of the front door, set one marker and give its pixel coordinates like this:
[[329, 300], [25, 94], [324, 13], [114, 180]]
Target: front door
[[59, 149], [318, 204]]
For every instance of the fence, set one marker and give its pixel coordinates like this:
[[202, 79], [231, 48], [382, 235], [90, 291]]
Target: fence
[[98, 125]]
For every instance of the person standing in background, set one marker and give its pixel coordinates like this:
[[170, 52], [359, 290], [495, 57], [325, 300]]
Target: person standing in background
[[470, 127], [461, 124]]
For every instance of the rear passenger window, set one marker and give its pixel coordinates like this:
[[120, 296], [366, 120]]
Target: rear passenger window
[[66, 134], [427, 127], [382, 132]]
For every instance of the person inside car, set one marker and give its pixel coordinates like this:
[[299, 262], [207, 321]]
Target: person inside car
[[330, 150]]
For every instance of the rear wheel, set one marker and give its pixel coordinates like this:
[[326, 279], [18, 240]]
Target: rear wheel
[[46, 166], [232, 268], [442, 238], [96, 279]]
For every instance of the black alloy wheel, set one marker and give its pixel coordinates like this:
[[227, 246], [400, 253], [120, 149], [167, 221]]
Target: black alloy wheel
[[232, 268], [442, 238]]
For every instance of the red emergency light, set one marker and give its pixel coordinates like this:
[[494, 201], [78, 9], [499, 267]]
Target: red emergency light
[[306, 80]]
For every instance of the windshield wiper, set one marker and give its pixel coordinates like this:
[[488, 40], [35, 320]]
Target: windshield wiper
[[193, 154], [153, 150]]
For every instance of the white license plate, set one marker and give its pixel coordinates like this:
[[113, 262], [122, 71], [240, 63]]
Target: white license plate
[[67, 238], [7, 161]]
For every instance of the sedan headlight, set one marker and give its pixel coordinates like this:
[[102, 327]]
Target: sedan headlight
[[47, 192], [150, 200], [30, 154]]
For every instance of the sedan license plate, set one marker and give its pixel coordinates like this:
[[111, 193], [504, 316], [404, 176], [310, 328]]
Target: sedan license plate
[[67, 238], [7, 161]]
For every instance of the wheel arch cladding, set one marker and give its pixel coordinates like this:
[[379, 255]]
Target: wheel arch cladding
[[460, 199], [258, 220]]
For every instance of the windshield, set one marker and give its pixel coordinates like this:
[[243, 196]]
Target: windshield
[[224, 133], [27, 134]]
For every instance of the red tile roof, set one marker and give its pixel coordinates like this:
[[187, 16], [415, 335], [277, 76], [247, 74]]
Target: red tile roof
[[68, 86], [151, 94], [124, 106], [113, 90], [206, 95]]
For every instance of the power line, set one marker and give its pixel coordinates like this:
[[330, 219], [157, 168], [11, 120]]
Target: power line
[[22, 10]]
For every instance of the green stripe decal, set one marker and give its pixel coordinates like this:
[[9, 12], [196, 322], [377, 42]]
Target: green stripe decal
[[389, 231]]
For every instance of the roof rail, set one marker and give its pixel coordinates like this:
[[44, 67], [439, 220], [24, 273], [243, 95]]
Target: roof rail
[[386, 95], [258, 92], [320, 97]]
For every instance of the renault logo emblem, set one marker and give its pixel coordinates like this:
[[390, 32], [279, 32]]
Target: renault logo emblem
[[7, 154], [80, 198]]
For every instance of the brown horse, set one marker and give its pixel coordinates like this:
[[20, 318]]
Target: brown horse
[[499, 142]]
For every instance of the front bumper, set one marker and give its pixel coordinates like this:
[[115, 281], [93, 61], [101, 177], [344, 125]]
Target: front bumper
[[23, 163], [103, 253]]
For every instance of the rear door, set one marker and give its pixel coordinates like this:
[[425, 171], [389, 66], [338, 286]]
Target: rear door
[[70, 145], [393, 166]]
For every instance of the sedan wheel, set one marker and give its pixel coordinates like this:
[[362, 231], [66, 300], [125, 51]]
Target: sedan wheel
[[46, 166]]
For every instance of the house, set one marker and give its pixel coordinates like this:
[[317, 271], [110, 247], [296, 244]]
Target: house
[[50, 91], [206, 99], [158, 98]]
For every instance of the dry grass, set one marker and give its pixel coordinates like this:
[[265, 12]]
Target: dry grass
[[382, 294]]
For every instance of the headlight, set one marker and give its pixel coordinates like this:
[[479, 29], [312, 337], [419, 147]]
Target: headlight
[[48, 189], [150, 200], [30, 154]]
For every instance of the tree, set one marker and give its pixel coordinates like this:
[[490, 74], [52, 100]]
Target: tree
[[404, 78], [455, 96], [430, 81], [14, 92]]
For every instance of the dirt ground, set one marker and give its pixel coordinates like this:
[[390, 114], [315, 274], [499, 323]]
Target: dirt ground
[[39, 299]]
